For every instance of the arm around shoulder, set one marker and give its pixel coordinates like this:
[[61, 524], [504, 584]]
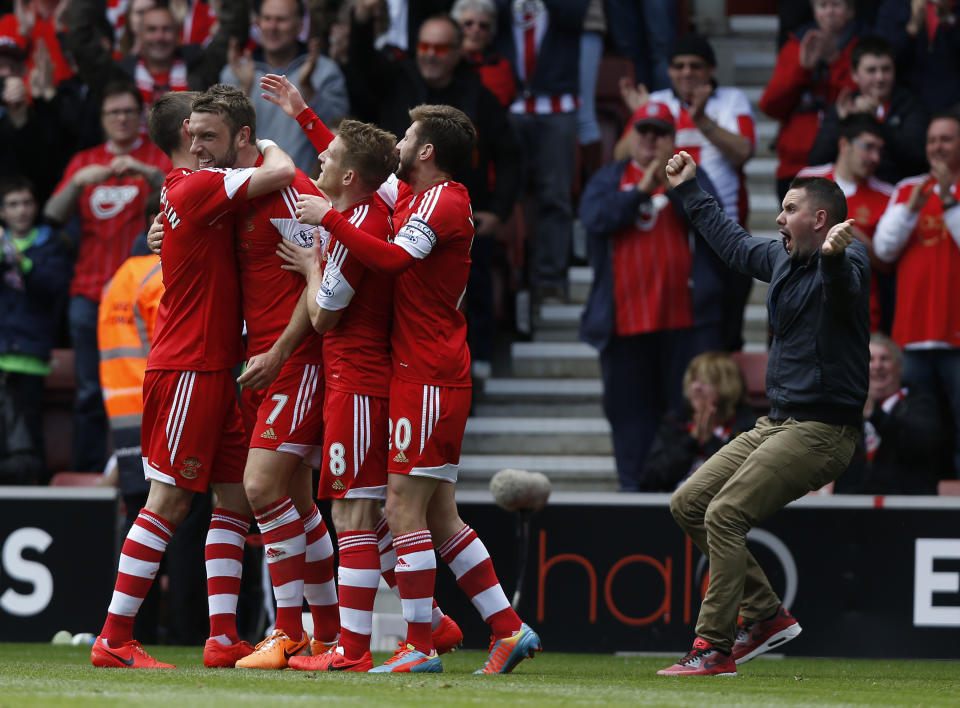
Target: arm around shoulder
[[276, 172]]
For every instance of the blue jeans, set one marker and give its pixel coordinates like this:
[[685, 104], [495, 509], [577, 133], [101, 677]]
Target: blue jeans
[[644, 31], [549, 144], [89, 416], [937, 372]]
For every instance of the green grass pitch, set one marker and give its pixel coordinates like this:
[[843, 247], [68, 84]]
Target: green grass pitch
[[40, 675]]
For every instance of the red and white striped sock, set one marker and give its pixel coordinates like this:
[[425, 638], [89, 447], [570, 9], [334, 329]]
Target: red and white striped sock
[[467, 557], [416, 573], [140, 559], [284, 544], [359, 577], [224, 556], [388, 556], [318, 587]]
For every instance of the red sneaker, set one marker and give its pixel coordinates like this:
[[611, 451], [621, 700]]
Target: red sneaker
[[702, 660], [760, 637], [333, 660], [447, 636], [224, 656], [129, 655]]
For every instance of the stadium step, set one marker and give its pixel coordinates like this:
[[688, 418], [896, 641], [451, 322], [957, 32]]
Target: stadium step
[[555, 359], [566, 472], [537, 436]]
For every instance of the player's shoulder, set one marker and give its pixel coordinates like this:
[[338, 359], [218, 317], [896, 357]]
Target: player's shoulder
[[825, 171], [303, 184]]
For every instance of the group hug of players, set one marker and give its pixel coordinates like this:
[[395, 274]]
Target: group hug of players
[[357, 364]]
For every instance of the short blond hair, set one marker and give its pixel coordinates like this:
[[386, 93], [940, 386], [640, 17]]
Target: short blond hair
[[369, 151], [720, 370]]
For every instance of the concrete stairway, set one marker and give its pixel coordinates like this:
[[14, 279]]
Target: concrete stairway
[[547, 415]]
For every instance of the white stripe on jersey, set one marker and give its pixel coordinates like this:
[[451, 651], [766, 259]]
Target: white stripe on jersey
[[190, 377], [234, 179], [388, 191], [290, 197], [429, 203]]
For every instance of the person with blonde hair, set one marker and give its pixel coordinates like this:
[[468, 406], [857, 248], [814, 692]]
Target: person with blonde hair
[[715, 413]]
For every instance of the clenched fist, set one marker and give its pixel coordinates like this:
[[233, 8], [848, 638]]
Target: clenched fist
[[838, 238]]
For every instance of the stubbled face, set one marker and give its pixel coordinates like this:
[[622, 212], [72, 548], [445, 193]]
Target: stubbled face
[[797, 223], [885, 371], [688, 72], [120, 118], [19, 210], [407, 150], [943, 142], [211, 141], [330, 179], [279, 25], [437, 53], [477, 30], [862, 155], [159, 35], [874, 76], [832, 16]]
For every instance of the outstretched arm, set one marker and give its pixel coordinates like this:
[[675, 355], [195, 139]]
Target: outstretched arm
[[279, 90], [383, 257]]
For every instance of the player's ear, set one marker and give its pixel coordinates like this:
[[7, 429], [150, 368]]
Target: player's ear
[[426, 151], [349, 177], [243, 136]]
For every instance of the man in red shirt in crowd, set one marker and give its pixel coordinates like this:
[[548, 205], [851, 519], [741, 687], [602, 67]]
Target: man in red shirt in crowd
[[107, 188], [920, 232], [859, 151], [430, 388], [192, 435]]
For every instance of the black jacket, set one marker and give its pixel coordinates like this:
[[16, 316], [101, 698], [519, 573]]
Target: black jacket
[[819, 314], [904, 138], [911, 452]]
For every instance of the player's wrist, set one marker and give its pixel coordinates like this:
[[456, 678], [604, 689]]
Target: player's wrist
[[265, 143]]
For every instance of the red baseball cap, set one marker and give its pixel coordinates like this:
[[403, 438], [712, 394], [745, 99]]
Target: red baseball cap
[[656, 114]]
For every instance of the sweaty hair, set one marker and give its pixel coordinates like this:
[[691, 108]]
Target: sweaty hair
[[874, 46], [857, 124], [231, 104], [16, 183], [718, 369], [449, 131], [824, 194], [120, 87], [368, 150], [165, 120]]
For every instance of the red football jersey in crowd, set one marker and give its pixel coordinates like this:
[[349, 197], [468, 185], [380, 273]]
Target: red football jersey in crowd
[[270, 293], [429, 331], [198, 322], [651, 266], [111, 215], [356, 353]]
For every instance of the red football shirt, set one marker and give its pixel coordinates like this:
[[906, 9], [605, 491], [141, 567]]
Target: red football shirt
[[269, 293], [198, 323], [429, 332], [651, 266], [356, 353], [111, 215]]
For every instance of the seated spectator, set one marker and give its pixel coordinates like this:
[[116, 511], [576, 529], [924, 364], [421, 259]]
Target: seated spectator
[[317, 77], [639, 313], [162, 64], [438, 75], [106, 187], [926, 37], [920, 232], [478, 22], [900, 450], [860, 147], [902, 117], [714, 413], [812, 70], [715, 125], [34, 274]]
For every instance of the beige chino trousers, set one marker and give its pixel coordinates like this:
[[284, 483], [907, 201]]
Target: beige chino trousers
[[752, 477]]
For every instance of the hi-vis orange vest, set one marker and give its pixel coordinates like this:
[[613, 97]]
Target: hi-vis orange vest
[[128, 311]]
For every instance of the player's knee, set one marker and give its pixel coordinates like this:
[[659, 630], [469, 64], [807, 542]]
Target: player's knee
[[259, 490]]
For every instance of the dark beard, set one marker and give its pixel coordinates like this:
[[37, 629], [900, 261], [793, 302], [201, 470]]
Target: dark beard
[[228, 159]]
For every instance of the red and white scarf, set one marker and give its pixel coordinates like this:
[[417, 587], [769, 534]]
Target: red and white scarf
[[153, 86]]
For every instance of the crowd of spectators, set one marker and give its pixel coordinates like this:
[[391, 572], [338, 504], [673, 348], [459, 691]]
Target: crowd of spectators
[[866, 92]]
